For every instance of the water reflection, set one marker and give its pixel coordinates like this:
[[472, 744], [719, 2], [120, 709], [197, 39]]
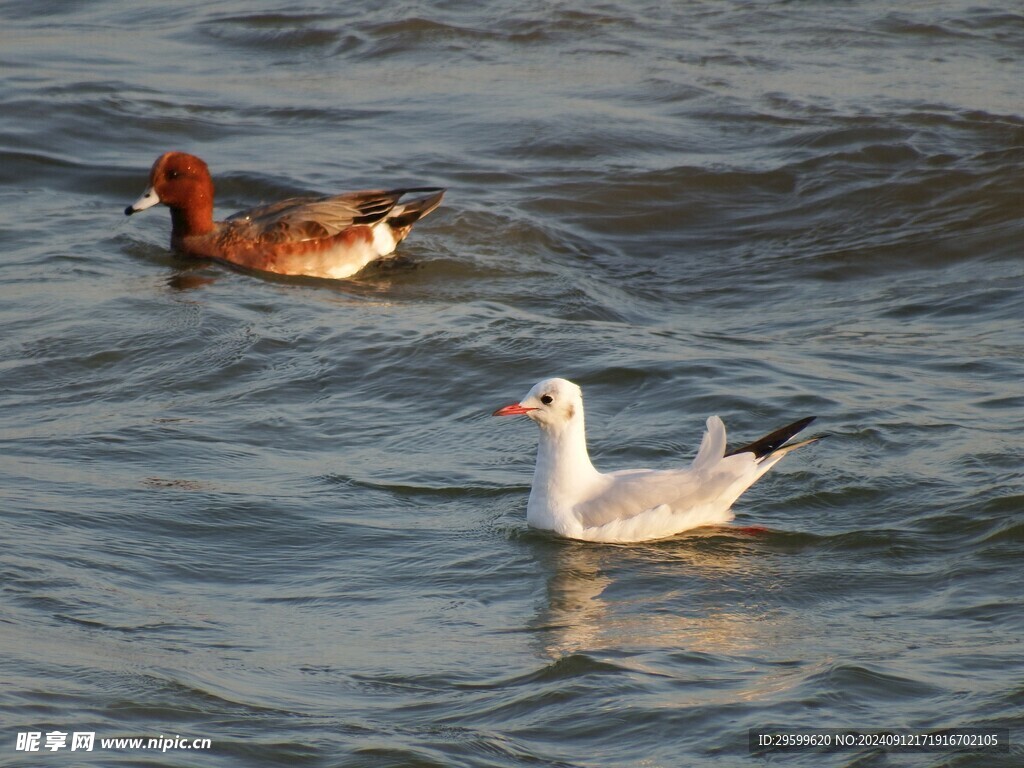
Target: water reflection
[[188, 281], [374, 281], [678, 594]]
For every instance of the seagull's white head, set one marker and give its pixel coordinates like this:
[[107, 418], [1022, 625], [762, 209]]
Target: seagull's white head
[[552, 403]]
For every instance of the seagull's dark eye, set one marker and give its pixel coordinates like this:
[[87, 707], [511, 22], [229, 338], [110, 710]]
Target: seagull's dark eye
[[546, 399]]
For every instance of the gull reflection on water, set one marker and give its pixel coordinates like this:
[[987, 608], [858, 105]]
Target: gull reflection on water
[[677, 594]]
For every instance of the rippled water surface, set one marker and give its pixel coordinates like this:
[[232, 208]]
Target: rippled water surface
[[276, 514]]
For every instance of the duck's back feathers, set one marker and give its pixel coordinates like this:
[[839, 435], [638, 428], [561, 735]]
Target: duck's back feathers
[[311, 218]]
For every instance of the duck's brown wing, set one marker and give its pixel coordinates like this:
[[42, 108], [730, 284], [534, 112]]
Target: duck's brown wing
[[309, 218]]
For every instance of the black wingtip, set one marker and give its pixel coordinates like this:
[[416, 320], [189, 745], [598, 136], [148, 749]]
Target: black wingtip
[[416, 209], [770, 442]]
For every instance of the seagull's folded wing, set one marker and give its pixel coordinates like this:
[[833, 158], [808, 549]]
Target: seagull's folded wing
[[636, 493]]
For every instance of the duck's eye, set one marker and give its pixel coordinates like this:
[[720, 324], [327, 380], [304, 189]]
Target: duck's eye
[[173, 174], [546, 399]]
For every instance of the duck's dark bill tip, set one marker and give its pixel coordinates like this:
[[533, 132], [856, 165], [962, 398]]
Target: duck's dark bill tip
[[129, 211]]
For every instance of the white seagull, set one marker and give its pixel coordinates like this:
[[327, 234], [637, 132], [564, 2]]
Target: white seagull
[[570, 497]]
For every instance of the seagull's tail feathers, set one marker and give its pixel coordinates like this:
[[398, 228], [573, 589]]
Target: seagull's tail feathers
[[712, 445], [775, 445]]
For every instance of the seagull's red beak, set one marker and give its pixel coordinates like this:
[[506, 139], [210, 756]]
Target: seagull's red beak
[[512, 410]]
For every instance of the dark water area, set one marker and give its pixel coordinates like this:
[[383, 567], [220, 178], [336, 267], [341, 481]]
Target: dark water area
[[275, 512]]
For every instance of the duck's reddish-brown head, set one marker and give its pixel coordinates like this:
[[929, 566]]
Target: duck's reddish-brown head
[[181, 182]]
